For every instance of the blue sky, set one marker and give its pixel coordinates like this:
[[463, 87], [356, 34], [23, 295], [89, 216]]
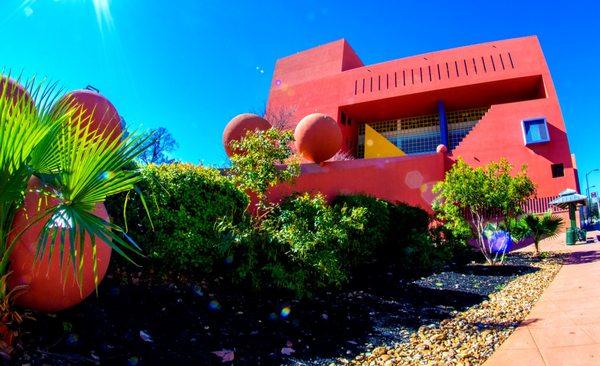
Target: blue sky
[[191, 65]]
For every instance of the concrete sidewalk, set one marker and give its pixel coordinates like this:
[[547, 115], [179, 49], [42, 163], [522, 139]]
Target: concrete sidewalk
[[563, 328]]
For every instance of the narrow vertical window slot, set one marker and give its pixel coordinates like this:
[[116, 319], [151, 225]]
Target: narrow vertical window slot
[[439, 73], [429, 67], [466, 69], [355, 87], [493, 63], [456, 67], [483, 62], [511, 60], [474, 65], [448, 70], [502, 62]]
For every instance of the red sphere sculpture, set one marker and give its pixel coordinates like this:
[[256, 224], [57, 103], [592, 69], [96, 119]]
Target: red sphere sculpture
[[50, 287], [15, 91], [95, 108], [239, 126], [441, 149], [318, 137]]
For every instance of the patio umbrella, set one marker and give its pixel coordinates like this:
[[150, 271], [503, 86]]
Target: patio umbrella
[[569, 198]]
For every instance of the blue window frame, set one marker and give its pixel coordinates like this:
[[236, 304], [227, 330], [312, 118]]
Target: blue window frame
[[535, 130]]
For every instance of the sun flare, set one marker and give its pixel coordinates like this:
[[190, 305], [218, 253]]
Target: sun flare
[[103, 15]]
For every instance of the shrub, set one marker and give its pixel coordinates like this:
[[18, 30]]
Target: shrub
[[398, 234], [185, 203], [301, 246], [405, 222], [364, 244], [315, 238]]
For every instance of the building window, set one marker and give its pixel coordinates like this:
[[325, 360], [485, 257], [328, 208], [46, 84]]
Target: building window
[[558, 170], [535, 131]]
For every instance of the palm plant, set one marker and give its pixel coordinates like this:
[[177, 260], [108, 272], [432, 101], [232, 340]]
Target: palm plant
[[542, 227], [77, 167]]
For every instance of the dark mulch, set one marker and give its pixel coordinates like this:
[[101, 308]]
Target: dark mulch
[[136, 322]]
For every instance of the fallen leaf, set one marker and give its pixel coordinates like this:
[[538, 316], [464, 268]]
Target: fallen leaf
[[287, 351], [145, 336], [226, 355]]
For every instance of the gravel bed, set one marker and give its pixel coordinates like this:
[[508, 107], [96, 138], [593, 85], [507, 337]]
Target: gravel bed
[[471, 336], [138, 320]]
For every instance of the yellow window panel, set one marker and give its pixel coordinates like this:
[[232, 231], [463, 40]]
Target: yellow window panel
[[377, 146]]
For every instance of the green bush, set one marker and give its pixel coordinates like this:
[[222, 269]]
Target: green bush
[[185, 203], [406, 223], [363, 244], [399, 235], [303, 245]]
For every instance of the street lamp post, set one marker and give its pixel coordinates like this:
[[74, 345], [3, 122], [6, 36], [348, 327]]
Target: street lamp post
[[589, 203], [587, 192]]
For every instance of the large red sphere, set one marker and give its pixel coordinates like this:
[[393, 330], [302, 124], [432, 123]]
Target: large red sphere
[[95, 108], [15, 92], [239, 126], [49, 289], [318, 137]]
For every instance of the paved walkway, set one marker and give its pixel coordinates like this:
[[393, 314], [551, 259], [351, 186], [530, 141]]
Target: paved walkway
[[563, 328]]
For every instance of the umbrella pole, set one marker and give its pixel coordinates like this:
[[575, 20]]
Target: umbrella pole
[[572, 231]]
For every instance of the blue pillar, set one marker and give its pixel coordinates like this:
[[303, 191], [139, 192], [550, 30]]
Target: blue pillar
[[443, 124]]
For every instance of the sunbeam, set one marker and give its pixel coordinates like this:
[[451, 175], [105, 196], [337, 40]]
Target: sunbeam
[[103, 15]]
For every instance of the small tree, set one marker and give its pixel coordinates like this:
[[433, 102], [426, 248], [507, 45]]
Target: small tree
[[161, 146], [542, 227], [262, 160], [279, 117], [470, 198]]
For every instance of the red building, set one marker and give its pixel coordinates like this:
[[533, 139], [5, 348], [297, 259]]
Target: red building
[[483, 102]]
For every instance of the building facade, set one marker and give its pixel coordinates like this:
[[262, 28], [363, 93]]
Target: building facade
[[482, 102]]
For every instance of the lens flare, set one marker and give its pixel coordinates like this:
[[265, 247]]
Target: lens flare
[[214, 305], [103, 15], [285, 312]]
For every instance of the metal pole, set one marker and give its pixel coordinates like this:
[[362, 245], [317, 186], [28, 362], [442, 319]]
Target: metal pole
[[587, 194], [444, 137]]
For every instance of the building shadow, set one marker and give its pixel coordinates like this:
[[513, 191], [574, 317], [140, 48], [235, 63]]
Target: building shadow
[[588, 256], [548, 150]]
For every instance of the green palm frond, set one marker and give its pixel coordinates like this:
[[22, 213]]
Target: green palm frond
[[78, 167], [89, 168], [542, 227]]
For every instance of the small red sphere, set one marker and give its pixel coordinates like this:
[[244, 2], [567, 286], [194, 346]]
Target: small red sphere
[[318, 137], [441, 149], [239, 126], [50, 287], [102, 114]]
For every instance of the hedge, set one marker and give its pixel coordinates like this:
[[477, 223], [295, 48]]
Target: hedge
[[185, 202]]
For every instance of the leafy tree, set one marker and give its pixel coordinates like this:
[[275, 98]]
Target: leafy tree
[[263, 160], [470, 198], [162, 144], [542, 227]]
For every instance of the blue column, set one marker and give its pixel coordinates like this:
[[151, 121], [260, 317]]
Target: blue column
[[443, 124]]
